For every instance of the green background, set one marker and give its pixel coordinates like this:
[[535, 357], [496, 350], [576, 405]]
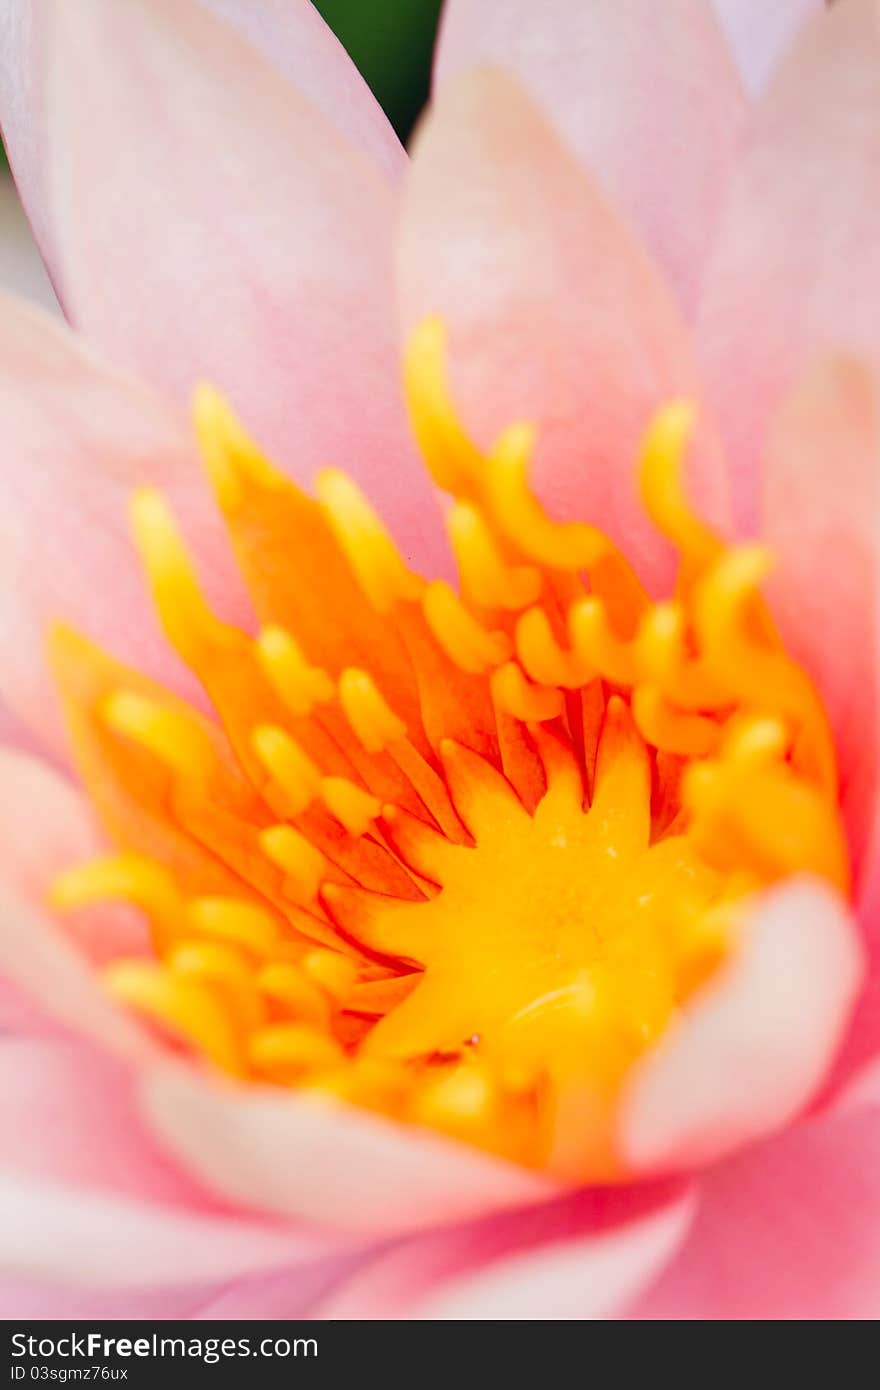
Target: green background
[[391, 42]]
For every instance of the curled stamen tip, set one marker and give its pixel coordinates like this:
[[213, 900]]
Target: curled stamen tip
[[429, 335], [665, 440], [515, 445], [757, 740], [746, 566], [148, 510]]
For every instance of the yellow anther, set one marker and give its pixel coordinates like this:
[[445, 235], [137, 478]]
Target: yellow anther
[[236, 922], [732, 628], [170, 734], [335, 974], [486, 579], [186, 617], [370, 551], [518, 513], [300, 686], [660, 476], [452, 459], [755, 739], [288, 766], [131, 877], [353, 807], [229, 453], [458, 1101], [303, 865], [375, 725], [723, 600], [514, 695], [293, 1049], [663, 661], [462, 637], [189, 1008], [597, 646], [663, 726], [215, 963], [288, 985], [761, 816], [543, 658]]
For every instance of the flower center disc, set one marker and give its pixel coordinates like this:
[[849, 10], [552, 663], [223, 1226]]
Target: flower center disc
[[458, 857]]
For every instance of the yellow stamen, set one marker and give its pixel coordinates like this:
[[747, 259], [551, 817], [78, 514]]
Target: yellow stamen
[[459, 855], [300, 686]]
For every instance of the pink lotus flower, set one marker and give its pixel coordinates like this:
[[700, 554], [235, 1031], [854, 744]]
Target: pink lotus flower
[[510, 953]]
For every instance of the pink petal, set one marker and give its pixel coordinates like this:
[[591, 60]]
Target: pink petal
[[70, 1121], [755, 1044], [578, 1258], [287, 1293], [239, 239], [759, 34], [796, 265], [20, 1300], [53, 1234], [820, 504], [289, 34], [789, 1230], [75, 1159], [554, 313], [20, 266], [77, 440], [820, 510], [292, 36], [307, 1157], [14, 733], [46, 825], [74, 1152], [651, 105]]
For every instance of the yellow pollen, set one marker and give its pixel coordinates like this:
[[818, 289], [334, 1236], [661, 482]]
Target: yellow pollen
[[457, 854]]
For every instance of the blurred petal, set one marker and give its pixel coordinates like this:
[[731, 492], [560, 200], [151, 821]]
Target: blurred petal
[[286, 1293], [47, 825], [94, 1238], [37, 963], [44, 824], [20, 266], [247, 243], [578, 1258], [14, 733], [652, 106], [77, 440], [759, 34], [821, 517], [25, 1299], [554, 313], [70, 1120], [754, 1045], [323, 1161], [74, 1152], [788, 1231], [796, 265]]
